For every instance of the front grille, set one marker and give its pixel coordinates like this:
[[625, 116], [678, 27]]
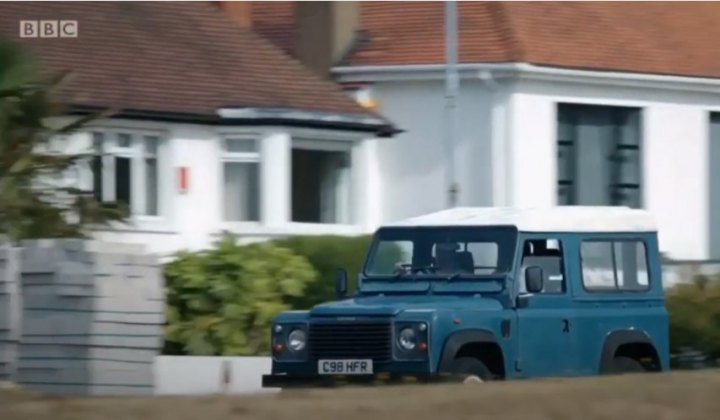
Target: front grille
[[351, 340]]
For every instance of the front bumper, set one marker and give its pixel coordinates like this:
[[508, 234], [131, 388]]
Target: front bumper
[[304, 381]]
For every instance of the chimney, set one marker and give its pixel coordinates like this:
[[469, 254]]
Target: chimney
[[239, 11], [325, 30]]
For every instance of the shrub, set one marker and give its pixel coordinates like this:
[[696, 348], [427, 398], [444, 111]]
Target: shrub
[[326, 254], [222, 301], [695, 316]]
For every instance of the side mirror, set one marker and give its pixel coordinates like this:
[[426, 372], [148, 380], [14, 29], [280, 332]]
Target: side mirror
[[341, 283], [534, 279]]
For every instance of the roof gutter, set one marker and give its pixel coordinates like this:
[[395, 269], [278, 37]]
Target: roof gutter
[[527, 71], [260, 116], [350, 121], [416, 71], [296, 115]]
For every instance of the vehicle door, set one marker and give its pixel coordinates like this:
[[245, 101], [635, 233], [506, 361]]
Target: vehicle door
[[546, 340]]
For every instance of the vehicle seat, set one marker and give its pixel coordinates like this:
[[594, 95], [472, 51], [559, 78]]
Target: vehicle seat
[[465, 262]]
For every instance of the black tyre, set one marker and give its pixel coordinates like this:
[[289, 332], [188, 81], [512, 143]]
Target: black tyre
[[469, 370], [622, 365]]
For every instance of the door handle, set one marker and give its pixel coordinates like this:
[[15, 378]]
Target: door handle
[[566, 325]]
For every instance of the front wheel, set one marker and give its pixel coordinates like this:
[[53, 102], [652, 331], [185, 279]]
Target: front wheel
[[468, 370]]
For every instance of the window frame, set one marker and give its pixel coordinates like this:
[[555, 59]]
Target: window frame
[[563, 265], [327, 143], [616, 289], [510, 241], [272, 139], [137, 152], [615, 186], [254, 157]]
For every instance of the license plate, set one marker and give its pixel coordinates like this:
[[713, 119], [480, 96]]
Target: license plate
[[345, 367]]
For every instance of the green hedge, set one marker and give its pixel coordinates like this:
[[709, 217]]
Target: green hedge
[[695, 316], [326, 254], [221, 301]]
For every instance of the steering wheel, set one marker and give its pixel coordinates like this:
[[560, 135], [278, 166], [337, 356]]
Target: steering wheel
[[414, 269]]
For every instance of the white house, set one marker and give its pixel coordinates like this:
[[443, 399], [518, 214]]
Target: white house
[[600, 103], [572, 103], [215, 129]]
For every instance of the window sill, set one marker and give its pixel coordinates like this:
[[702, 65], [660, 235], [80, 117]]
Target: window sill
[[141, 224], [292, 228]]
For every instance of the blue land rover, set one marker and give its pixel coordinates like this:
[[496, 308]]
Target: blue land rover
[[480, 294]]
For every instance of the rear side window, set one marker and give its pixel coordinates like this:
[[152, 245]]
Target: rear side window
[[614, 266]]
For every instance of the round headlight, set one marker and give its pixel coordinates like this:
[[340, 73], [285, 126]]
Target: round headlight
[[296, 340], [406, 339]]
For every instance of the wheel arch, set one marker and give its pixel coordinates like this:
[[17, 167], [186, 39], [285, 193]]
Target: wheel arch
[[617, 339], [455, 341]]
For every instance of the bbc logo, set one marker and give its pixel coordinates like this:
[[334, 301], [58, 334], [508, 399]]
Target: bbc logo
[[48, 29]]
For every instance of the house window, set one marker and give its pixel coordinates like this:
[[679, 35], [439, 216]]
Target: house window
[[599, 155], [241, 179], [614, 265], [321, 182], [713, 162], [125, 169]]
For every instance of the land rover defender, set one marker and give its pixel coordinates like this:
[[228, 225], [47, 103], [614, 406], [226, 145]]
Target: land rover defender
[[480, 294]]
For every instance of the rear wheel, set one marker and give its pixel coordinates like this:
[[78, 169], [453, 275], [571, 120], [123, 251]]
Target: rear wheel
[[469, 370], [622, 365]]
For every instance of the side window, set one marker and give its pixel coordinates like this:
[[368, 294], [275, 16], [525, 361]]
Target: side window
[[484, 256], [390, 253], [479, 258], [548, 255], [614, 266]]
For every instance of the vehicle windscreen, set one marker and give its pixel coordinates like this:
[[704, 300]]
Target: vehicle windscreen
[[441, 251]]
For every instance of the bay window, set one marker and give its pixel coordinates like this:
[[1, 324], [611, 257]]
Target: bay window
[[280, 181], [125, 169], [321, 181], [241, 179]]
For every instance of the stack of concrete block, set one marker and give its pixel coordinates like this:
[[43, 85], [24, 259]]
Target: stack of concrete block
[[93, 317], [10, 311]]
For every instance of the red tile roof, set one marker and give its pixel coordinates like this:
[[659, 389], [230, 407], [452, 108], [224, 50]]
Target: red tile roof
[[171, 57], [275, 20], [649, 37]]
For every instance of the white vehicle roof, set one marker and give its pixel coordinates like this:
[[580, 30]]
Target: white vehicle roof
[[550, 219]]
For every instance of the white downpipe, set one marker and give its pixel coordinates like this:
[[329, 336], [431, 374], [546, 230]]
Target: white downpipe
[[452, 85]]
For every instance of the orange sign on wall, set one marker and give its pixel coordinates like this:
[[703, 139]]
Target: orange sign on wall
[[183, 179]]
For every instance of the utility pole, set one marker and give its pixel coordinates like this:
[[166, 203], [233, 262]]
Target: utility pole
[[452, 84]]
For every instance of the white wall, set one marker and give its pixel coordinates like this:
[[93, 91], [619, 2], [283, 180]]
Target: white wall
[[507, 151], [413, 165], [198, 375], [675, 154], [193, 220], [505, 154]]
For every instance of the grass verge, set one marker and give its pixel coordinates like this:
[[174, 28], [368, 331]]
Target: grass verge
[[678, 395]]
